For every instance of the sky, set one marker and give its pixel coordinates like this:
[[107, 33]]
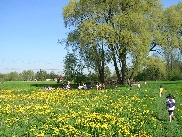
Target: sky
[[29, 32]]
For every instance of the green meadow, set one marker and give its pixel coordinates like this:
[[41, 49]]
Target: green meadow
[[26, 110]]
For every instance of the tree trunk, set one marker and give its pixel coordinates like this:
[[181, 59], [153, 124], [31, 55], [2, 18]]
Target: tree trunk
[[101, 72], [123, 69], [101, 76], [135, 68], [102, 63], [115, 66], [132, 74], [117, 71]]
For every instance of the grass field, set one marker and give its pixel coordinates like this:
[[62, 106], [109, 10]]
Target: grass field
[[28, 111]]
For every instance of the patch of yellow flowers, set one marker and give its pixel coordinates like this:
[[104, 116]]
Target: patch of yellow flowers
[[74, 113]]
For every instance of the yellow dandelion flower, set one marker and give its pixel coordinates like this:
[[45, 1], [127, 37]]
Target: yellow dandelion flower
[[105, 126]]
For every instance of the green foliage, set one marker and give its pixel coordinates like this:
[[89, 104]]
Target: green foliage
[[107, 73], [172, 21], [70, 64], [41, 75], [153, 69], [123, 27], [175, 75], [73, 69], [52, 75], [173, 63], [27, 75], [12, 76], [92, 77]]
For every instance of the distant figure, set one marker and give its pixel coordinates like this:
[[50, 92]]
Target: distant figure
[[138, 85], [100, 86], [58, 80], [84, 86], [160, 90], [89, 85], [80, 87], [128, 81], [145, 83], [63, 86], [97, 86], [116, 85], [170, 104], [131, 86], [68, 87], [49, 88], [104, 86]]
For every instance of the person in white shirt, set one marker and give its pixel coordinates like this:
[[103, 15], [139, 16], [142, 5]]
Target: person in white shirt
[[138, 85], [170, 104]]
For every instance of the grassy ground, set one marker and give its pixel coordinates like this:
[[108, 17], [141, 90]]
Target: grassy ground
[[27, 110]]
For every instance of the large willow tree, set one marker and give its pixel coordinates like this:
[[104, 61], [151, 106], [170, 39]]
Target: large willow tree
[[172, 35], [113, 29], [169, 42]]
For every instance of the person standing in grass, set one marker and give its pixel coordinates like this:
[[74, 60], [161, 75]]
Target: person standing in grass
[[97, 86], [68, 87], [160, 90], [131, 86], [170, 104], [138, 85]]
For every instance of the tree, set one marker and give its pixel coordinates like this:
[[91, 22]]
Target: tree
[[2, 77], [91, 46], [12, 76], [27, 75], [41, 75], [171, 39], [173, 63], [122, 27], [70, 63], [170, 28], [73, 68], [92, 77], [107, 73], [52, 75], [154, 69]]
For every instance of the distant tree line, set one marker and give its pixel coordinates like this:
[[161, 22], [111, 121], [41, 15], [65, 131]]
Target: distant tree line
[[71, 74], [28, 75]]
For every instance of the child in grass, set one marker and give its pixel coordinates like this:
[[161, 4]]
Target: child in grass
[[138, 85], [97, 86], [160, 90], [131, 86], [170, 104]]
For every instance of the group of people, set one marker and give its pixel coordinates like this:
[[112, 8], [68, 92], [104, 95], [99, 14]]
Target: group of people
[[100, 86], [49, 88], [67, 87], [170, 103], [84, 86], [138, 85]]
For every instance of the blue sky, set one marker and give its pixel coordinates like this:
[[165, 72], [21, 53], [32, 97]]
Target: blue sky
[[29, 31]]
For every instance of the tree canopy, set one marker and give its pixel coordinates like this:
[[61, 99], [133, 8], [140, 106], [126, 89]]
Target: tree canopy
[[106, 31]]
